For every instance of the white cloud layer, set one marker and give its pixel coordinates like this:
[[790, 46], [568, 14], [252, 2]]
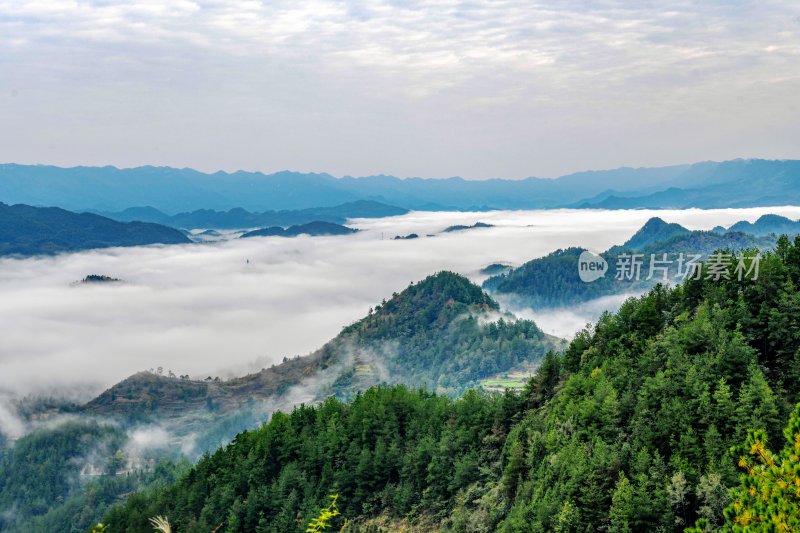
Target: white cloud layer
[[479, 88], [201, 309]]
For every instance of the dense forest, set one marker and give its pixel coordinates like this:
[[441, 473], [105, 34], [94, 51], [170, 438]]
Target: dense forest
[[63, 478], [443, 334], [629, 429]]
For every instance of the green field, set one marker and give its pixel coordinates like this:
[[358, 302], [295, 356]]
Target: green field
[[513, 380]]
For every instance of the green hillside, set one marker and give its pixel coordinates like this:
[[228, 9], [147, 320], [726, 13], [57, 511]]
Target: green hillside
[[630, 429], [554, 281], [443, 333], [63, 478]]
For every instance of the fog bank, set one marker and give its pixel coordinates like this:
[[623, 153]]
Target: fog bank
[[229, 307]]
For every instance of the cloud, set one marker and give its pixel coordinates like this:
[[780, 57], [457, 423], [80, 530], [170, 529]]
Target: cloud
[[147, 438], [202, 310], [480, 88], [565, 322], [11, 425]]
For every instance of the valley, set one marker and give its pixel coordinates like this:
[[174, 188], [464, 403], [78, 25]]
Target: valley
[[441, 333]]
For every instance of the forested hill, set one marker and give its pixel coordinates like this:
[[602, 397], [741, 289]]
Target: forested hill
[[27, 230], [443, 333], [554, 281], [655, 230], [630, 429]]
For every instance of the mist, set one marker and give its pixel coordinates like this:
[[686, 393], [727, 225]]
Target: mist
[[203, 309], [565, 322]]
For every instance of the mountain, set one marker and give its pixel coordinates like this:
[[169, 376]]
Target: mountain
[[767, 224], [554, 280], [167, 189], [311, 228], [659, 416], [494, 269], [171, 190], [461, 227], [654, 230], [64, 477], [443, 333], [240, 218], [98, 278], [739, 183], [143, 214], [27, 230]]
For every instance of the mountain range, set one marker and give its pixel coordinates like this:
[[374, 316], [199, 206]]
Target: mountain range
[[443, 334], [310, 228], [663, 416], [765, 225], [554, 280], [736, 183], [731, 184], [714, 362], [27, 230], [239, 218]]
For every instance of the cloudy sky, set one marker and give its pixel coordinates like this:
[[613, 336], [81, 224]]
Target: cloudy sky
[[483, 88]]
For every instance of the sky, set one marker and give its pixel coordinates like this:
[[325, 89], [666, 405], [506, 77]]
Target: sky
[[480, 88]]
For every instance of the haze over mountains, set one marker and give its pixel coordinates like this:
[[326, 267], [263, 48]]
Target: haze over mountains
[[238, 218], [705, 185], [706, 366], [443, 333]]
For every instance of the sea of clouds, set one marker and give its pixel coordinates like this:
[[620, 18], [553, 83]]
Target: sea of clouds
[[231, 307]]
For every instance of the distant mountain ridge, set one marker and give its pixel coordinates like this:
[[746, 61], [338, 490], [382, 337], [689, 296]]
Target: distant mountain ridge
[[171, 190], [768, 224], [239, 218], [731, 184], [27, 230], [462, 227], [316, 228]]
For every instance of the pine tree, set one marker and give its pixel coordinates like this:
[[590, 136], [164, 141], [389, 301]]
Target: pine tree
[[621, 501], [768, 499]]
